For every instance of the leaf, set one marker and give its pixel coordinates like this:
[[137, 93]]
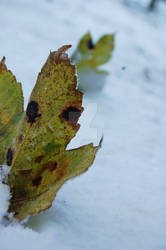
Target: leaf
[[103, 50], [11, 110], [89, 54], [41, 163]]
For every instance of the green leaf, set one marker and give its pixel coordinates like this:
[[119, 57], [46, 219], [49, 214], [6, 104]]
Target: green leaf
[[85, 44], [11, 110], [103, 50], [89, 54], [41, 163]]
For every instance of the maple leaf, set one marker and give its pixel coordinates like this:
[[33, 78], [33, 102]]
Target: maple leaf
[[11, 110], [40, 163]]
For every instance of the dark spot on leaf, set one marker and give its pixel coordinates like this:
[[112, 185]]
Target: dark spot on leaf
[[9, 157], [20, 138], [51, 166], [63, 170], [18, 193], [16, 213], [71, 114], [47, 74], [38, 159], [36, 182], [90, 44], [32, 112]]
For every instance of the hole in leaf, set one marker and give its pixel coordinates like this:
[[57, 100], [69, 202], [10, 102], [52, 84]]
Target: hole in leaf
[[71, 114]]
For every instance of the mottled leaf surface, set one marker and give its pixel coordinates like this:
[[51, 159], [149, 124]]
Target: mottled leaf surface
[[11, 110], [41, 163]]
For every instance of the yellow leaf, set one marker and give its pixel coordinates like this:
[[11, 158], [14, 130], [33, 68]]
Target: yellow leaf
[[11, 110], [41, 163]]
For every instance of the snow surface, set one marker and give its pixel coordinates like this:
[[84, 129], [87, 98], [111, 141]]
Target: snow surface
[[120, 203], [4, 194]]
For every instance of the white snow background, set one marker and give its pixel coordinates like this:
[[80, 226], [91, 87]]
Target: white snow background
[[120, 203]]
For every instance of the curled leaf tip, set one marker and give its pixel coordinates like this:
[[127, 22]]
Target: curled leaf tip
[[64, 48], [59, 55], [101, 142], [2, 64], [3, 59]]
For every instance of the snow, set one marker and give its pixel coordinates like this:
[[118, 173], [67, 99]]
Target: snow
[[120, 203], [4, 194]]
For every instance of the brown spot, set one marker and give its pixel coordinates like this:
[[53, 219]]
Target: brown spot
[[39, 158], [51, 166], [36, 182], [9, 157], [71, 114], [25, 173], [47, 74], [32, 112], [20, 138], [61, 175], [63, 170], [90, 44], [76, 127]]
